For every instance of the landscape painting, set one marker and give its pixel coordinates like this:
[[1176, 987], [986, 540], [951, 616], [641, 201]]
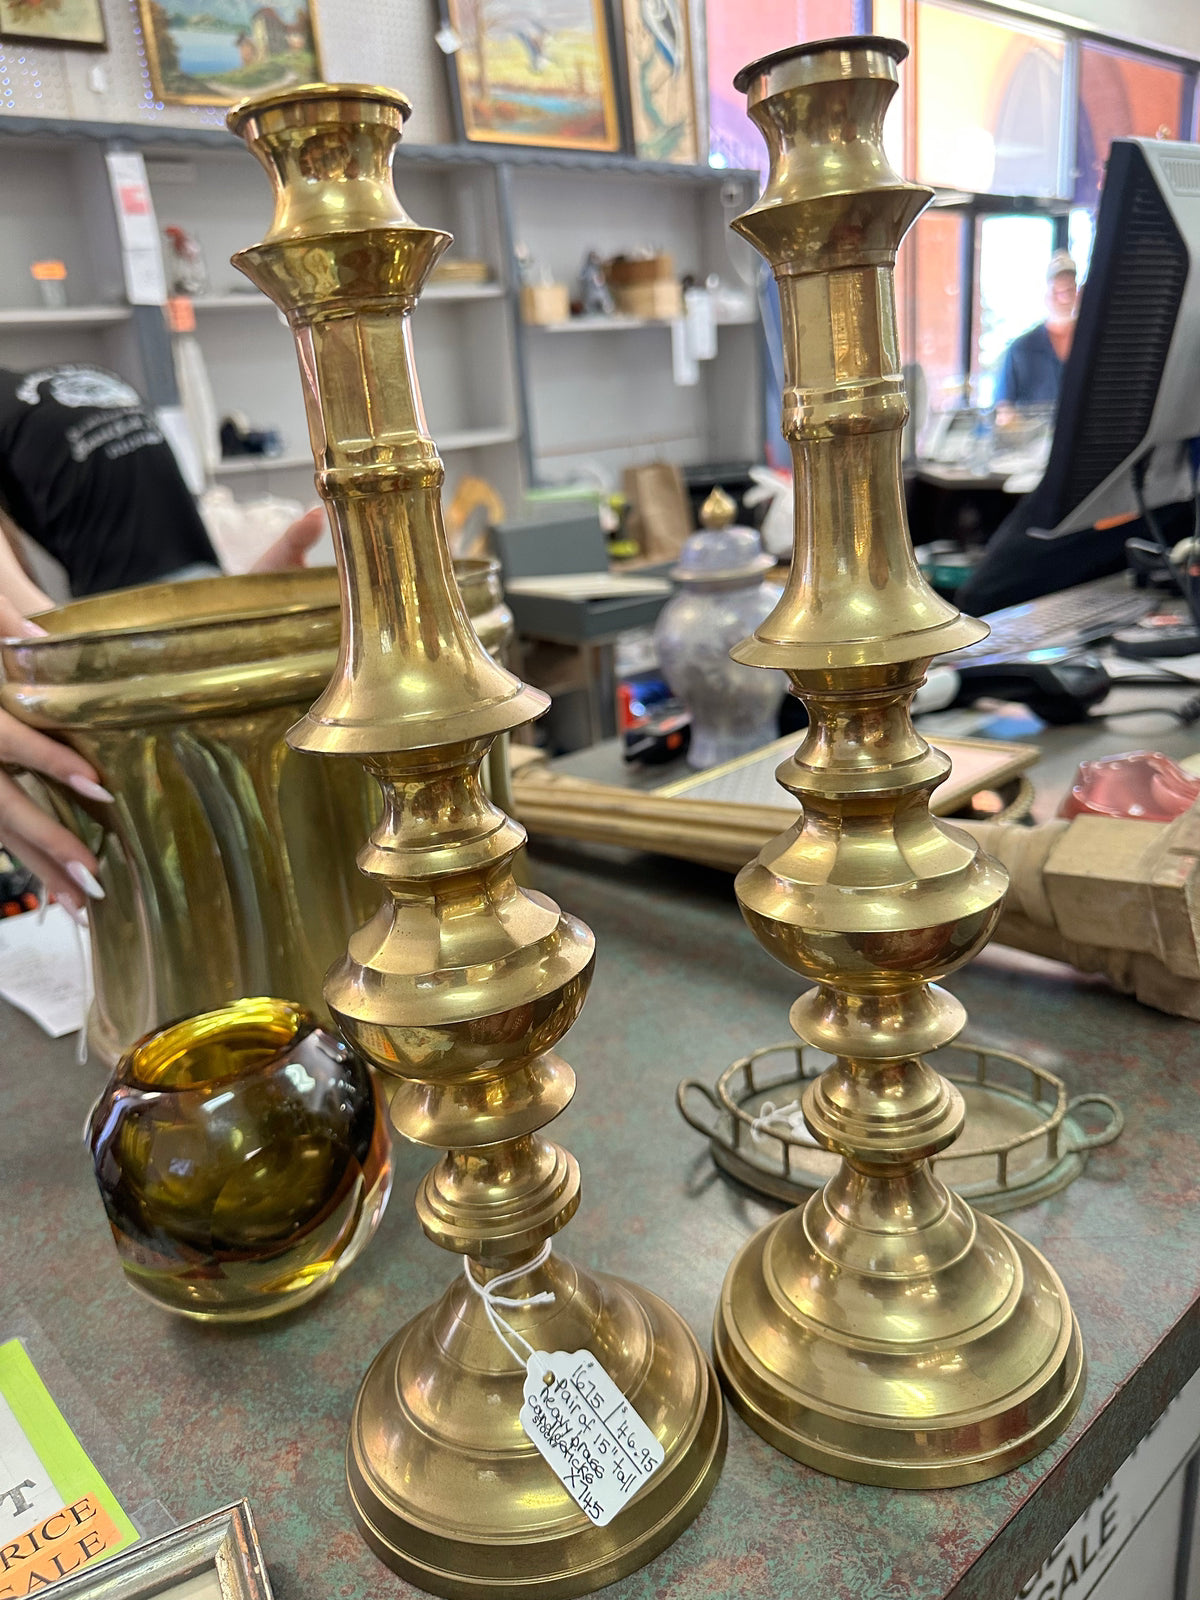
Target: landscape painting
[[70, 22], [215, 52], [535, 72]]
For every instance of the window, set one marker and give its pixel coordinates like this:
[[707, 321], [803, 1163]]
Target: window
[[989, 104], [1013, 253], [1081, 230], [893, 19], [738, 33], [1121, 95], [929, 273], [984, 107]]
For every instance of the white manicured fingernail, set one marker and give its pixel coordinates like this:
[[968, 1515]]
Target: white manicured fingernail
[[77, 914], [88, 789], [86, 881]]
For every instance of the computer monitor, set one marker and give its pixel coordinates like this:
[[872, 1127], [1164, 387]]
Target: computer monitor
[[1130, 401]]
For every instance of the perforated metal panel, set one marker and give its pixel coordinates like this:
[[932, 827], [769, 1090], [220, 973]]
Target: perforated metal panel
[[390, 42], [375, 41]]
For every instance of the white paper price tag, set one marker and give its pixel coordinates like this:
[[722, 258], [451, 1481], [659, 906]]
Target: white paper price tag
[[595, 1442]]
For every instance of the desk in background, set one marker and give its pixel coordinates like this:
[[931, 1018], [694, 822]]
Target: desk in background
[[955, 503]]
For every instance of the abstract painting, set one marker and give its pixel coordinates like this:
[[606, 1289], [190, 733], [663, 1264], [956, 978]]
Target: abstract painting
[[659, 49], [214, 52], [535, 72]]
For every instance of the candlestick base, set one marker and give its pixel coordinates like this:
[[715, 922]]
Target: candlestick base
[[450, 1492], [949, 1366]]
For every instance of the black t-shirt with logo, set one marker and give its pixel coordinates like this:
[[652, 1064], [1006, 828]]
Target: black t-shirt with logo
[[86, 472]]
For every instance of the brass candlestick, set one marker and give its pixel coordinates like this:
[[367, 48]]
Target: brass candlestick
[[884, 1333], [462, 984]]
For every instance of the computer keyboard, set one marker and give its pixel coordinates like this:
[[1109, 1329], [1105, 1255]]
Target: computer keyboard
[[1060, 624]]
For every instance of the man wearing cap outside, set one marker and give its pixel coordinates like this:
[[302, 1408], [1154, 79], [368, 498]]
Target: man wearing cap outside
[[1031, 374]]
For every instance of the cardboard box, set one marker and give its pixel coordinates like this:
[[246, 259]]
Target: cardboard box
[[660, 300], [623, 272], [542, 303]]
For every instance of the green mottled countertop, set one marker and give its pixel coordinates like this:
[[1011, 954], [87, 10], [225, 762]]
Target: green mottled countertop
[[681, 988]]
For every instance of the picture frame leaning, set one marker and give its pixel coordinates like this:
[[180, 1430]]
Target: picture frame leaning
[[216, 1557]]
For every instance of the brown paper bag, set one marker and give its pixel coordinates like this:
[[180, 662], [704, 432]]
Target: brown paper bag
[[661, 517]]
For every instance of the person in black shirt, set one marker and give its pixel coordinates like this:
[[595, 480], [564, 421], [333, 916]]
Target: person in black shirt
[[86, 472]]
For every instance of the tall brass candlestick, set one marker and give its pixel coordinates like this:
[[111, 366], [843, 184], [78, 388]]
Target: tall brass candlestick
[[884, 1333], [462, 984]]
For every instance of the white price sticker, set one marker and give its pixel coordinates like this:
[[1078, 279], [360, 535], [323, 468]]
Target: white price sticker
[[594, 1441]]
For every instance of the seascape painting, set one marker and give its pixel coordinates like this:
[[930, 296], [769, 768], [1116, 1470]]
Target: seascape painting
[[659, 49], [535, 72], [215, 52]]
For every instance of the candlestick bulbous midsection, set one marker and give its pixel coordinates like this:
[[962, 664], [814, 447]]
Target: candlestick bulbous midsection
[[874, 899], [873, 960], [870, 940], [417, 1016]]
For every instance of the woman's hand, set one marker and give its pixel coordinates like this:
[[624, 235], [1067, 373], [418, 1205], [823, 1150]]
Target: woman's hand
[[291, 549], [64, 864]]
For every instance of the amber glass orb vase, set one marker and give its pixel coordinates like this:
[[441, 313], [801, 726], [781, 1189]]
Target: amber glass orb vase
[[244, 1160]]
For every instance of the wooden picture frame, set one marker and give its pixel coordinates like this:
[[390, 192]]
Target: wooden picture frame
[[258, 46], [532, 82], [662, 91], [214, 1558], [65, 24]]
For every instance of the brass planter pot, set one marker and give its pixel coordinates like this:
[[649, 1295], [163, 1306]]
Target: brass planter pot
[[227, 859]]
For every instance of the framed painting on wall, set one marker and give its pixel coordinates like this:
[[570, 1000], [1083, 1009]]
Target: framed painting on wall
[[215, 52], [658, 48], [534, 72], [75, 23]]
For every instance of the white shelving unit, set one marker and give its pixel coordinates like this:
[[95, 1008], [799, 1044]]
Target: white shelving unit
[[253, 301], [598, 404], [55, 205], [462, 333], [514, 405], [249, 466], [65, 317], [463, 291], [619, 323]]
